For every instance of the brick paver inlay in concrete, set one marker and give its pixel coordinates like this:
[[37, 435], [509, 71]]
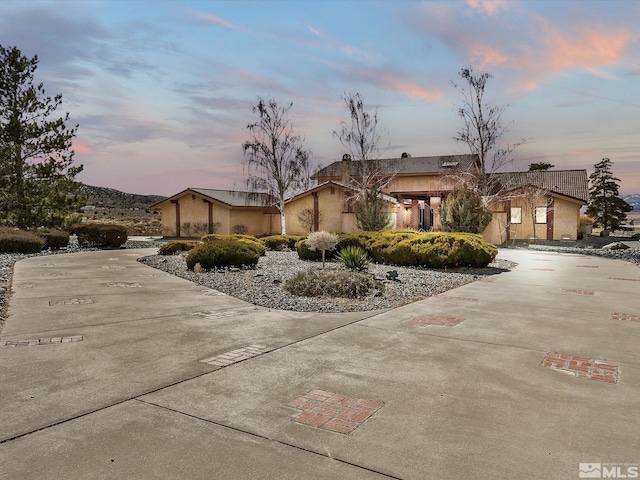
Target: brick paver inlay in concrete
[[578, 291], [453, 297], [40, 341], [238, 355], [439, 320], [72, 301], [332, 411], [627, 317], [582, 367], [124, 285], [213, 315]]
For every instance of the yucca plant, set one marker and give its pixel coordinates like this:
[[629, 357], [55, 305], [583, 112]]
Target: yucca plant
[[353, 258]]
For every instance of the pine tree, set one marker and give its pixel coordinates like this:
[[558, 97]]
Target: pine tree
[[463, 211], [37, 179], [606, 207]]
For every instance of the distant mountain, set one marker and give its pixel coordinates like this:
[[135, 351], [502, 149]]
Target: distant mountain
[[633, 200], [111, 198]]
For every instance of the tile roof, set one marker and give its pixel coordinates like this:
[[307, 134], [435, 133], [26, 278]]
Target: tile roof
[[229, 197], [570, 183], [236, 199], [406, 165]]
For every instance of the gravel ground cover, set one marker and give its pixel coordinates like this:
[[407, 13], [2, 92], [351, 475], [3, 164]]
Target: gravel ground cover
[[263, 285]]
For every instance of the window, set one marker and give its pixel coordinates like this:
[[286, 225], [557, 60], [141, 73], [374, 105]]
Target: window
[[516, 214], [541, 214]]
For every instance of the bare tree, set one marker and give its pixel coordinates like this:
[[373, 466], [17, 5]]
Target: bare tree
[[362, 139], [277, 163], [483, 132]]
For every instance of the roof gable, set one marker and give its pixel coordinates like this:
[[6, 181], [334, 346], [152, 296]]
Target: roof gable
[[569, 183], [228, 197], [406, 165]]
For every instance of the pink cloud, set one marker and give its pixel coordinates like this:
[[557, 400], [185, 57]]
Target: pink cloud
[[209, 18], [489, 7], [82, 147], [410, 89], [588, 50]]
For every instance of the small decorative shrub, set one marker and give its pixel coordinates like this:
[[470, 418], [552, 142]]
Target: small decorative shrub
[[223, 253], [304, 253], [280, 242], [240, 229], [322, 241], [54, 239], [353, 258], [249, 240], [101, 235], [19, 241], [332, 283], [170, 248]]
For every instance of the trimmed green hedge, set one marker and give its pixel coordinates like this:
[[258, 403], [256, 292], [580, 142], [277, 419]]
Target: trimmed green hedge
[[221, 253], [409, 248], [101, 235], [175, 246], [280, 242], [54, 239], [248, 240], [19, 241]]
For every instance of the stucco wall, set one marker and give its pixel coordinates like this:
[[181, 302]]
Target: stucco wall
[[420, 183], [194, 216], [330, 207], [257, 222], [566, 216]]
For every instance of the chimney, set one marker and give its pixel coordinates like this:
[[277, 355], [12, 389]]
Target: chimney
[[346, 168]]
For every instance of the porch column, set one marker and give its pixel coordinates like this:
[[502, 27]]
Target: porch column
[[210, 205], [316, 212], [415, 214], [177, 217], [550, 204], [400, 213]]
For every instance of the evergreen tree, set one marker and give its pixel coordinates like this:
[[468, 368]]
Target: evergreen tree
[[37, 179], [374, 213], [606, 207], [463, 212]]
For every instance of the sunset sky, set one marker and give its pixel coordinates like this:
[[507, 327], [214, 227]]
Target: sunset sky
[[162, 90]]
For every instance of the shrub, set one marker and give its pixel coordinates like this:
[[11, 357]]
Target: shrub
[[332, 283], [240, 229], [19, 241], [54, 239], [175, 246], [322, 241], [280, 242], [223, 253], [463, 212], [304, 253], [101, 235], [248, 240], [353, 258], [440, 250]]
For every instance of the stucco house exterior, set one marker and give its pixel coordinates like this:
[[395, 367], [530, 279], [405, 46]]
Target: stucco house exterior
[[545, 202], [197, 211]]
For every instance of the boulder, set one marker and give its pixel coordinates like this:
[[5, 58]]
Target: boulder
[[616, 246]]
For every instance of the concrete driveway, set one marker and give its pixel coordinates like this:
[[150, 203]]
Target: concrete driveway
[[111, 369]]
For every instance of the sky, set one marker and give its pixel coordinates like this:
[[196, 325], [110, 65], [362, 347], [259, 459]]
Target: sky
[[162, 91]]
